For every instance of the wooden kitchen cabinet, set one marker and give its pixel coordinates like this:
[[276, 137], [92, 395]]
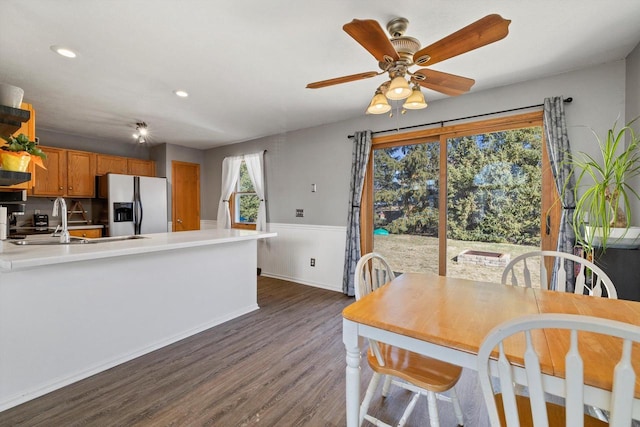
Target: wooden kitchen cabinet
[[81, 174], [69, 173], [90, 233], [110, 164], [141, 167], [52, 181]]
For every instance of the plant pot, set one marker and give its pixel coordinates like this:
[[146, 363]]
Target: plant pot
[[15, 161], [10, 96], [619, 238]]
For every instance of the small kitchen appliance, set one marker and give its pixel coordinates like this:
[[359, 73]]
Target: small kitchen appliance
[[41, 222]]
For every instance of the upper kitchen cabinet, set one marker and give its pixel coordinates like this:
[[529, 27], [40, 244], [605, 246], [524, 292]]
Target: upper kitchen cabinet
[[124, 165], [141, 167], [69, 173], [81, 172], [110, 164], [52, 181]]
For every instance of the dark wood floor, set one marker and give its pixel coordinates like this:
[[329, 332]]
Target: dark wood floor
[[282, 365]]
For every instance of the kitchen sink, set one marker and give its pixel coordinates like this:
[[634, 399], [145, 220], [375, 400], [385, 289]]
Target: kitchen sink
[[74, 240]]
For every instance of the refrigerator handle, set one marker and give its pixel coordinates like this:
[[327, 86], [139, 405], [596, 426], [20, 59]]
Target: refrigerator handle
[[137, 206]]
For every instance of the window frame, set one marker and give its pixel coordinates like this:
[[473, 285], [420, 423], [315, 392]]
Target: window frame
[[233, 204], [550, 209]]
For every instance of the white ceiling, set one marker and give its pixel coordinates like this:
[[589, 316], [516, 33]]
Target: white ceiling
[[245, 63]]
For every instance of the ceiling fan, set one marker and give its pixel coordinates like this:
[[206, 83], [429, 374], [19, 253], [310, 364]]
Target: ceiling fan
[[397, 54]]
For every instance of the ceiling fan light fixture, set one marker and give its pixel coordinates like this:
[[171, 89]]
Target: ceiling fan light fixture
[[398, 89], [379, 104], [416, 100]]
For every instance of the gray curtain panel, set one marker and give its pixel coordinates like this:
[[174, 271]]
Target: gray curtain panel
[[555, 128], [359, 159]]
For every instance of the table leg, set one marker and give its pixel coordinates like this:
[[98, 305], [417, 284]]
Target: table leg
[[351, 343]]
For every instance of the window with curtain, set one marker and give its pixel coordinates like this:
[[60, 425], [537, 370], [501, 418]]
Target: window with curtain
[[244, 202], [242, 197]]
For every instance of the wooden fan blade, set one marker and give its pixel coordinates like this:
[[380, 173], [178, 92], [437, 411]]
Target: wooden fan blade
[[343, 79], [446, 83], [372, 37], [484, 31]]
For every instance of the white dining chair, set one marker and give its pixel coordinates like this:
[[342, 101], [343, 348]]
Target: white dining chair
[[507, 408], [412, 371], [590, 278]]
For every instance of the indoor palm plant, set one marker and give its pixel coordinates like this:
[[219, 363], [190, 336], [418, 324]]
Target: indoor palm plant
[[18, 151], [603, 210]]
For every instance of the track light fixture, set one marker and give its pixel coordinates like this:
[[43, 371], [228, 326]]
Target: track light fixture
[[141, 132]]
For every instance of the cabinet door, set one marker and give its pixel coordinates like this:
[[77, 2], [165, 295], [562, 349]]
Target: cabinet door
[[141, 167], [29, 129], [91, 233], [51, 181], [110, 164], [80, 174]]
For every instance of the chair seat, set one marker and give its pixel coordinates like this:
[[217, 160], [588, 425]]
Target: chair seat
[[555, 413], [425, 372]]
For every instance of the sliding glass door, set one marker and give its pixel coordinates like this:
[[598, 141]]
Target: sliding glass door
[[494, 194], [460, 200], [406, 206]]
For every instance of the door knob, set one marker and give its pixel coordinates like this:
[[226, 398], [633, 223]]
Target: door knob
[[179, 221]]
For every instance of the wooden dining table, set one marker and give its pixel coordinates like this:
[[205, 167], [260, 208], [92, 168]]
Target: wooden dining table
[[448, 318]]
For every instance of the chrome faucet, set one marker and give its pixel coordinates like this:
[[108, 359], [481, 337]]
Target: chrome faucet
[[59, 203]]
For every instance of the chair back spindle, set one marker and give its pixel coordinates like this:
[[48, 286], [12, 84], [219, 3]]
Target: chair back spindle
[[589, 279], [621, 403]]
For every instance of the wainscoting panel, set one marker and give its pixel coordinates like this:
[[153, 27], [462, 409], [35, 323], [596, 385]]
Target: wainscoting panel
[[288, 256]]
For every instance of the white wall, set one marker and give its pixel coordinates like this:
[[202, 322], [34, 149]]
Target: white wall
[[322, 155]]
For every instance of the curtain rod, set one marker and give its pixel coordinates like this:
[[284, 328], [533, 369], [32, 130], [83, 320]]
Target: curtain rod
[[442, 122]]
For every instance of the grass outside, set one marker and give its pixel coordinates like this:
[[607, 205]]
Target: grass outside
[[408, 253]]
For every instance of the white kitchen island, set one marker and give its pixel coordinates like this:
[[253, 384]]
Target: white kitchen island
[[70, 311]]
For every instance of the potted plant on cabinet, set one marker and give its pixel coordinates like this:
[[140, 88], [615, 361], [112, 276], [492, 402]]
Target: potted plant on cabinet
[[18, 151], [603, 210]]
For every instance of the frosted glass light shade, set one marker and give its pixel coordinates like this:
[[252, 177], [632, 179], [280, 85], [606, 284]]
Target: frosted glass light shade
[[378, 105], [415, 101], [398, 89]]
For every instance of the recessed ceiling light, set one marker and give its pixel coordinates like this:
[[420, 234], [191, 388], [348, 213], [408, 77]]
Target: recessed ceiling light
[[63, 51], [181, 93]]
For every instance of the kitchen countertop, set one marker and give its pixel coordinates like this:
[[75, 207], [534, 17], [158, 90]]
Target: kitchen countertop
[[20, 257]]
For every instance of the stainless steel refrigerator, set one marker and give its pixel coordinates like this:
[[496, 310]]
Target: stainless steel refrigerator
[[136, 204]]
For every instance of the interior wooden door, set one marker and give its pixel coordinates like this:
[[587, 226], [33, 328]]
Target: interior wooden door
[[185, 196]]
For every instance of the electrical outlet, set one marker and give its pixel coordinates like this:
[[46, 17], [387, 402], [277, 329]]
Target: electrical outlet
[[299, 213], [313, 262]]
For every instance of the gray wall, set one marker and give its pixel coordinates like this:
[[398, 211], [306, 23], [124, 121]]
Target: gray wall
[[322, 155], [164, 154], [633, 86], [95, 145], [633, 111]]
